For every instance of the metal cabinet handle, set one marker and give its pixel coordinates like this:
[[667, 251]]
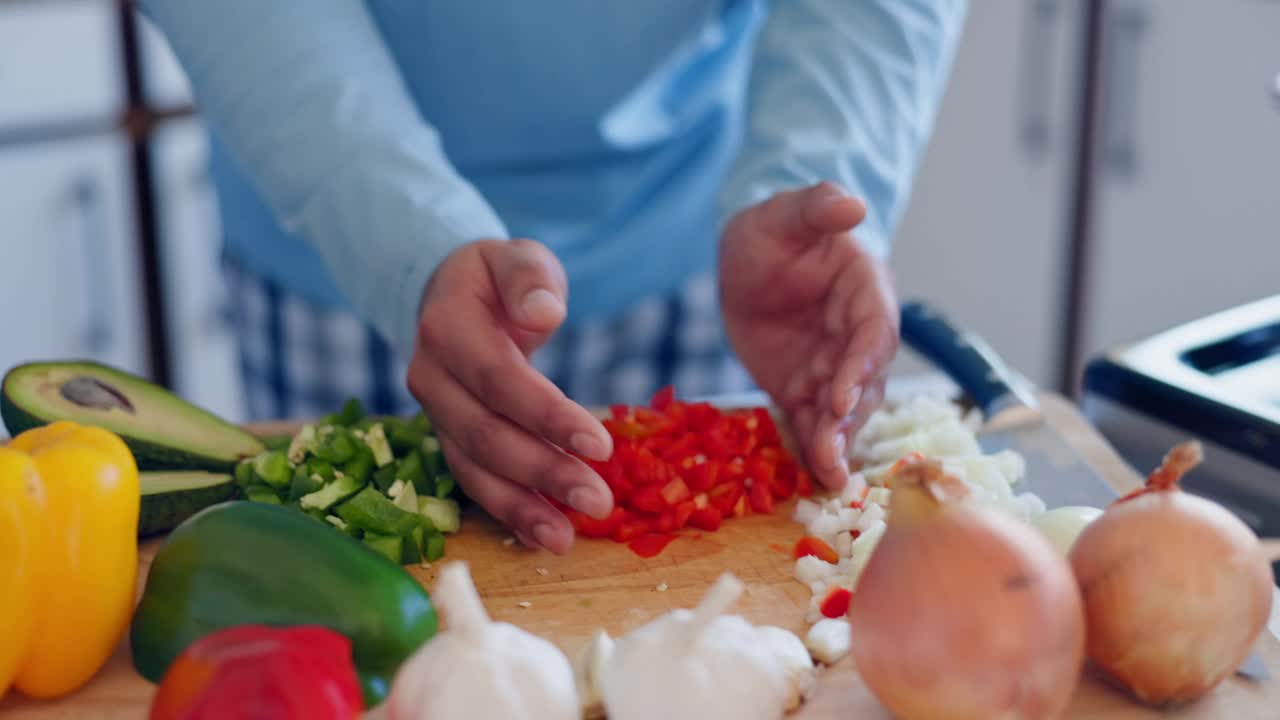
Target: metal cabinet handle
[[1036, 78], [99, 332], [1128, 23]]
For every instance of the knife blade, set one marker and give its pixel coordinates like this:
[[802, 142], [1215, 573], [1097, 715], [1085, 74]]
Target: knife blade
[[1054, 470]]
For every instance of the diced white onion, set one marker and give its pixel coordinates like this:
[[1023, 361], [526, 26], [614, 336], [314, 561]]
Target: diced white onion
[[828, 640]]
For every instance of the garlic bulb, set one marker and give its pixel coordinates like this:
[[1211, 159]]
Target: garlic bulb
[[696, 665], [587, 672], [481, 670], [794, 658]]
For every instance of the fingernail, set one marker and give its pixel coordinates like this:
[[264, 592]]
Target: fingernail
[[541, 306], [590, 446], [588, 500], [831, 197], [851, 398], [837, 446], [544, 534]]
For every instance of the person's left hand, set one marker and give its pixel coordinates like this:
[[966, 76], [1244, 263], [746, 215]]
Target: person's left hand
[[812, 316]]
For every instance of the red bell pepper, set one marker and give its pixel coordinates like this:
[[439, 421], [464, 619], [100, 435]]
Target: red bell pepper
[[836, 602], [650, 545], [767, 431], [630, 530], [686, 446], [647, 498], [663, 398], [255, 671], [675, 492], [587, 526], [810, 545], [683, 512], [678, 464], [700, 476], [707, 518], [761, 498]]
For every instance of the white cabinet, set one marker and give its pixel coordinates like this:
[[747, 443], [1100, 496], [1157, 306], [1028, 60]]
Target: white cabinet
[[69, 268], [984, 237], [203, 350], [1188, 218], [58, 61]]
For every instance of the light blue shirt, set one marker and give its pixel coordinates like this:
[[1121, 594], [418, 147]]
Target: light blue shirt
[[357, 143]]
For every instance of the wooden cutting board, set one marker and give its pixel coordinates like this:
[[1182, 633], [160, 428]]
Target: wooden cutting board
[[602, 584]]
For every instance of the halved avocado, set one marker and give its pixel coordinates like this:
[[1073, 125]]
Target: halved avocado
[[164, 431], [169, 498]]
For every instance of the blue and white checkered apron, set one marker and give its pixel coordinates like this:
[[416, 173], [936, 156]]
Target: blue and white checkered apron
[[298, 359]]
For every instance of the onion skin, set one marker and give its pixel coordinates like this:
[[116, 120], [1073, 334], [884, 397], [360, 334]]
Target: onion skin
[[1176, 591], [964, 613]]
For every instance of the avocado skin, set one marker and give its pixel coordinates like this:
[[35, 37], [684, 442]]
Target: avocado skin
[[163, 511], [148, 455]]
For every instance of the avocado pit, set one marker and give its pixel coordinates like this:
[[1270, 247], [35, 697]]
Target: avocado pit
[[90, 392]]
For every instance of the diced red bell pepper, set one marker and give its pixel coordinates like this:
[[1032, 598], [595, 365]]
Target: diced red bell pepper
[[740, 507], [733, 471], [620, 411], [817, 547], [700, 416], [662, 398], [707, 518], [625, 428], [646, 468], [678, 414], [702, 476], [630, 530], [683, 512], [725, 496], [675, 492], [647, 498], [666, 522], [761, 498], [655, 423], [587, 526], [686, 446], [766, 431], [650, 545], [718, 440], [836, 603]]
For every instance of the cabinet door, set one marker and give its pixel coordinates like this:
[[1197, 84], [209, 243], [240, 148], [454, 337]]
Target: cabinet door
[[69, 275], [58, 61], [984, 236], [1189, 208], [203, 350]]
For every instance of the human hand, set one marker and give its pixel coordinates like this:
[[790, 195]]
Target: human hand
[[812, 316], [502, 424]]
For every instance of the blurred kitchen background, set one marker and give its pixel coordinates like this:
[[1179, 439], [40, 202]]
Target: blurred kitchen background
[[1102, 170]]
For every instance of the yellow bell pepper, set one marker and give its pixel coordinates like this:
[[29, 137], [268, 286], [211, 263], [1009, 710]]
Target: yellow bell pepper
[[69, 501]]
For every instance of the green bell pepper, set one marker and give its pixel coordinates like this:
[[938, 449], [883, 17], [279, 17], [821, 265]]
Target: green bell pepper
[[241, 562]]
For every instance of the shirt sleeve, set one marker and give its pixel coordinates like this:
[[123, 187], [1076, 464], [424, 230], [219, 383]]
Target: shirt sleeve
[[846, 91], [311, 106]]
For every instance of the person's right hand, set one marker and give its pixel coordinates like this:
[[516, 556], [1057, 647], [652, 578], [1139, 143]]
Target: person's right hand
[[502, 424]]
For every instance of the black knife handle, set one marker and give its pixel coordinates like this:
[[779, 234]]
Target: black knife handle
[[967, 359]]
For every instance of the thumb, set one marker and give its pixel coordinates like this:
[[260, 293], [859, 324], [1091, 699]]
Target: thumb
[[822, 209], [530, 282]]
